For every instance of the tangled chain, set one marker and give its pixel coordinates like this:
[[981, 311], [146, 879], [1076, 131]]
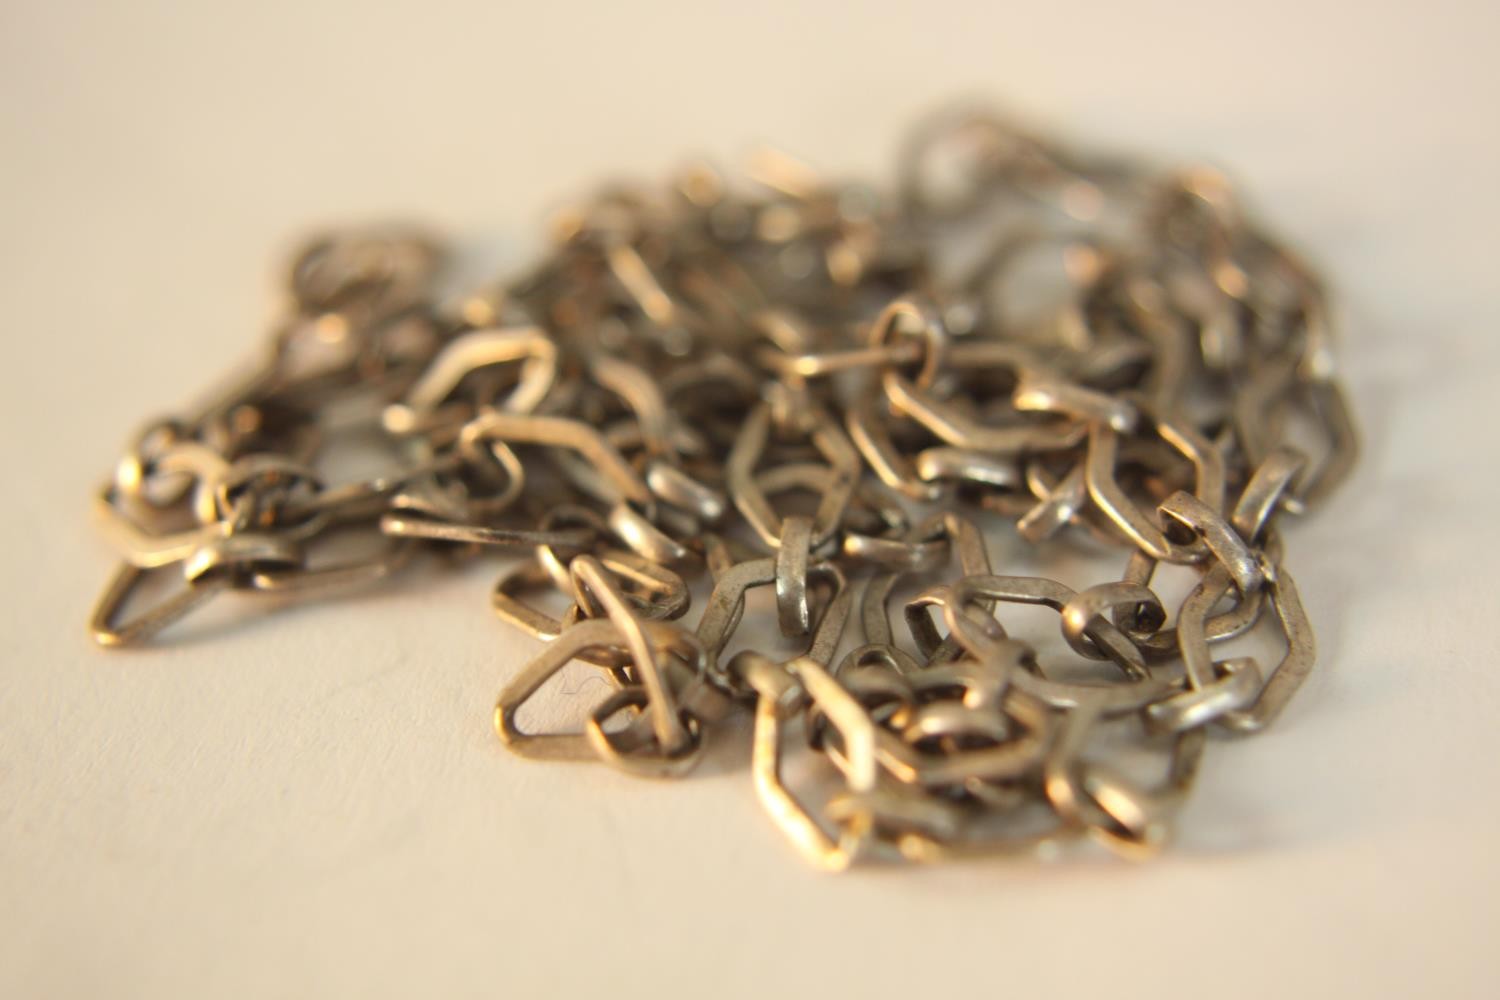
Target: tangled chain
[[812, 389]]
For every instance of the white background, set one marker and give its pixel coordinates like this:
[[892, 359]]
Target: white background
[[314, 803]]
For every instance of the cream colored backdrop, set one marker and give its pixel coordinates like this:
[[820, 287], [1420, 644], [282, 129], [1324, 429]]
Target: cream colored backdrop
[[314, 804]]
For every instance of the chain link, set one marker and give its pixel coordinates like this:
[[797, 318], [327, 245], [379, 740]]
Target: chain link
[[803, 386]]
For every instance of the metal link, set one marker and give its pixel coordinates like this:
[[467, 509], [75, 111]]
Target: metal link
[[810, 387]]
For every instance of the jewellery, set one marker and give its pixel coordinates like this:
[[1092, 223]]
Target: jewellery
[[813, 389]]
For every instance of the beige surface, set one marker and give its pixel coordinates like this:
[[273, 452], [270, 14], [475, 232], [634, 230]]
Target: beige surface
[[314, 804]]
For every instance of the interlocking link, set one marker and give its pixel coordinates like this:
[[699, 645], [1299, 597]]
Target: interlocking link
[[806, 386]]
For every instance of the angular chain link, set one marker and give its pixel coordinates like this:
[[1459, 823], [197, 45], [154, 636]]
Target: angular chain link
[[807, 387]]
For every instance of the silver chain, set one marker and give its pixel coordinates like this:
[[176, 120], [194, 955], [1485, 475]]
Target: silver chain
[[802, 385]]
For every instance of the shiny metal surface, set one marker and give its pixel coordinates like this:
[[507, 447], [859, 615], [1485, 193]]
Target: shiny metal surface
[[794, 386]]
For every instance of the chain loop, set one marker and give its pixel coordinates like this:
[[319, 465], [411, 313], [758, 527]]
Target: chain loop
[[810, 387]]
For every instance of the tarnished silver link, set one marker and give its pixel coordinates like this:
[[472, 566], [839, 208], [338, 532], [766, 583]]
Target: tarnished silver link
[[810, 386]]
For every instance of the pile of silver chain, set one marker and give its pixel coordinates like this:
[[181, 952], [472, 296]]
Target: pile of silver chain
[[807, 387]]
